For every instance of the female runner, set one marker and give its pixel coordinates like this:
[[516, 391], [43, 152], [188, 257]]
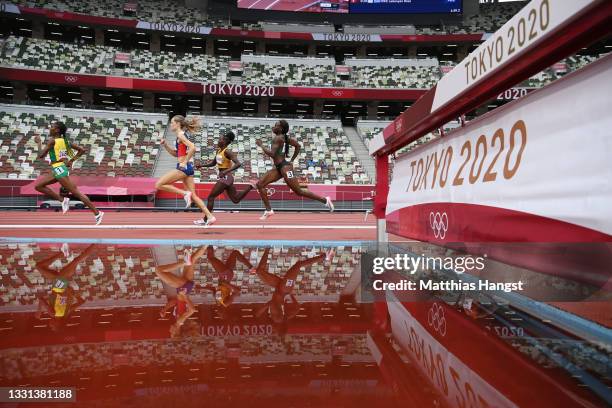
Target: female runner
[[63, 300], [226, 292], [279, 150], [182, 306], [184, 151], [279, 308], [226, 162], [61, 155]]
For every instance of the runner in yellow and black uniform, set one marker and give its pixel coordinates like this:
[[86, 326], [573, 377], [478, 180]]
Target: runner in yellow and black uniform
[[226, 162], [62, 300], [61, 154]]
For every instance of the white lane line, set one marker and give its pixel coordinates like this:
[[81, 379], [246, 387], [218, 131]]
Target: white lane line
[[186, 226]]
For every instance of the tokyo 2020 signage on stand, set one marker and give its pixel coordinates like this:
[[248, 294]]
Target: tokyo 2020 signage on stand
[[537, 169]]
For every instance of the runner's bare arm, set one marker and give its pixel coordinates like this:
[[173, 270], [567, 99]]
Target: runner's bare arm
[[297, 147], [276, 144], [168, 148], [211, 163], [46, 149], [80, 151]]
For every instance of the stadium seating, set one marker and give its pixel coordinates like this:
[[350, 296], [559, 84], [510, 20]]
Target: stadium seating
[[166, 11], [392, 77], [322, 141], [290, 74], [261, 70], [117, 144], [490, 17], [92, 59]]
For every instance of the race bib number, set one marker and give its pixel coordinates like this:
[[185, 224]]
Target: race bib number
[[58, 170], [290, 174]]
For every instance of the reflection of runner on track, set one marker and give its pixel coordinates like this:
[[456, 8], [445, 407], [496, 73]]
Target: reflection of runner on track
[[278, 308], [61, 154], [226, 292], [182, 306], [226, 162], [283, 169], [62, 300]]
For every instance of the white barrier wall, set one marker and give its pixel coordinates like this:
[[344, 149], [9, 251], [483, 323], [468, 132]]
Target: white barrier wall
[[537, 169]]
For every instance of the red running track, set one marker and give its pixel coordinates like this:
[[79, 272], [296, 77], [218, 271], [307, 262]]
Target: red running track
[[244, 225]]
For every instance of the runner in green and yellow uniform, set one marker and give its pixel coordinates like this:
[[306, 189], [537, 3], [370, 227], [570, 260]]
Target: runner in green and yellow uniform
[[62, 299], [61, 154]]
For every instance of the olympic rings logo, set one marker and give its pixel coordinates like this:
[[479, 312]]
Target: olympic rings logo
[[337, 93], [70, 79], [439, 224], [270, 192], [436, 319]]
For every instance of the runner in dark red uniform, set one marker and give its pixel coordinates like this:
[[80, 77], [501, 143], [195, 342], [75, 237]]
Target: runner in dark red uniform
[[279, 151]]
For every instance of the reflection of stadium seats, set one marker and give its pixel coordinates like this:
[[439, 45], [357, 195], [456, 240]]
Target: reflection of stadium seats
[[124, 145], [151, 355], [128, 273], [321, 142]]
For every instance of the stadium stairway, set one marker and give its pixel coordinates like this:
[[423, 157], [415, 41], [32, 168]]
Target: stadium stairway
[[361, 151], [165, 160]]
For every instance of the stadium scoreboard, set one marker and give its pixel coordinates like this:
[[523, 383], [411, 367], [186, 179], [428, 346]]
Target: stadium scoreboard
[[358, 6]]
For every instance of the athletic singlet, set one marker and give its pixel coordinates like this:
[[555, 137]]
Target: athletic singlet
[[58, 300], [222, 161], [181, 148], [61, 150]]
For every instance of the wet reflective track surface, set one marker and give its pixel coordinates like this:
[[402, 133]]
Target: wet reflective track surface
[[167, 326]]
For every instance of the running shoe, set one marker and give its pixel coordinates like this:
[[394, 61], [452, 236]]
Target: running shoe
[[329, 204], [210, 221], [99, 217], [201, 221], [65, 205], [187, 198], [266, 214]]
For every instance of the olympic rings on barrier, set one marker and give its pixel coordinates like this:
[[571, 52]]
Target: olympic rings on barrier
[[439, 224], [436, 319]]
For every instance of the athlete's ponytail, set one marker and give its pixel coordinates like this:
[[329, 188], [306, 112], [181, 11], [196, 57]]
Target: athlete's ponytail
[[192, 124], [285, 129]]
